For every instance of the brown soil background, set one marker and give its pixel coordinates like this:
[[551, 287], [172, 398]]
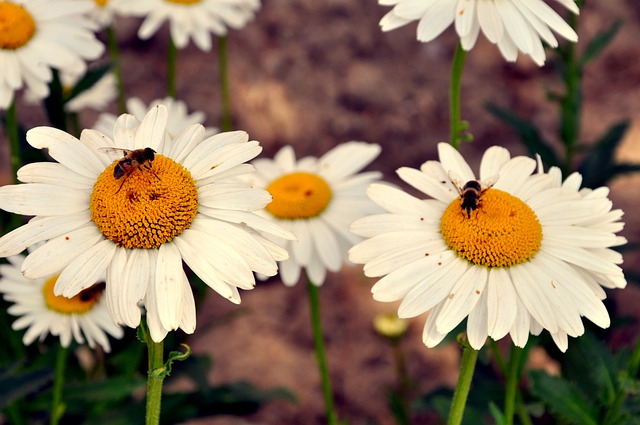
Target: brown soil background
[[317, 73]]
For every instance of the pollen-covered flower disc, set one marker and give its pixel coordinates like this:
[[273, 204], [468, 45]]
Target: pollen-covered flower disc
[[513, 25], [194, 19], [38, 35], [524, 253], [138, 217], [40, 312], [317, 199]]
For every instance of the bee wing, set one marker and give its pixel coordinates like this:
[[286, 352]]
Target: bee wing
[[488, 182], [456, 180], [114, 153]]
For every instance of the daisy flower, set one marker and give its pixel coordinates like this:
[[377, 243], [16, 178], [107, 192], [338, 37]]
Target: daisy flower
[[41, 312], [513, 25], [317, 199], [526, 254], [195, 19], [38, 35], [179, 117], [139, 217]]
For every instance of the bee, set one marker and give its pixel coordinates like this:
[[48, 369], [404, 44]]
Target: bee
[[130, 160], [471, 191]]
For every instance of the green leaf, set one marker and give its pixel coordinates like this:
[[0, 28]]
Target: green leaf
[[598, 165], [529, 135], [590, 365], [497, 414], [563, 398], [598, 44], [99, 391], [16, 384]]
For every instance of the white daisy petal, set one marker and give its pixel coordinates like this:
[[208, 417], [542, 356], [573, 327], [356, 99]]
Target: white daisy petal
[[477, 332], [462, 298], [188, 320], [514, 25], [520, 330], [39, 229], [137, 280], [52, 173], [86, 269], [66, 149], [169, 282], [35, 199], [502, 305], [59, 252]]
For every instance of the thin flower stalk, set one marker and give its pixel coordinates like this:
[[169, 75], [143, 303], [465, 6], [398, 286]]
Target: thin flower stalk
[[467, 367], [114, 54], [321, 355], [155, 375], [457, 126], [57, 406], [226, 123]]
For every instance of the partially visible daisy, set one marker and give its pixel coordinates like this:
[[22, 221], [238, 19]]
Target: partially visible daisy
[[530, 253], [513, 25], [317, 199], [195, 19], [41, 312], [179, 117], [138, 219], [96, 97], [38, 35]]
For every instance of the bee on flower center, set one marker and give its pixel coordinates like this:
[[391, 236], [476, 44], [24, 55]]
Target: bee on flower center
[[130, 161], [471, 191]]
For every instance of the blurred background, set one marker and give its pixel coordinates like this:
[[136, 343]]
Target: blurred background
[[317, 73]]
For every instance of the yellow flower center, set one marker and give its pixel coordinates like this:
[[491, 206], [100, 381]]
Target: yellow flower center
[[146, 207], [187, 2], [101, 3], [502, 232], [298, 195], [79, 304], [16, 26]]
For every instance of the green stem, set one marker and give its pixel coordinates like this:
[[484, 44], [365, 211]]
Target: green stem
[[572, 100], [171, 69], [404, 383], [321, 357], [74, 123], [513, 378], [225, 92], [57, 408], [11, 119], [155, 375], [114, 54], [14, 142], [457, 127], [54, 103], [467, 366]]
